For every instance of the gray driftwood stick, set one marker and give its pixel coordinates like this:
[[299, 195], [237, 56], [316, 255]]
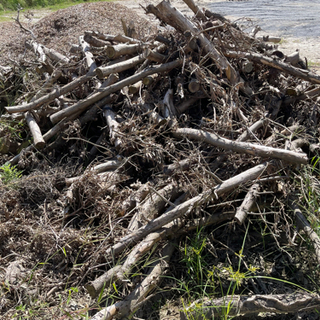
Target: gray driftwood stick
[[42, 50], [118, 50], [241, 147], [38, 140], [113, 125], [174, 228], [83, 104], [181, 209], [85, 46], [102, 72], [247, 204], [112, 38], [50, 96], [284, 67], [250, 305]]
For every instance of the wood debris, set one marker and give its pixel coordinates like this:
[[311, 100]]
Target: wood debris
[[163, 129]]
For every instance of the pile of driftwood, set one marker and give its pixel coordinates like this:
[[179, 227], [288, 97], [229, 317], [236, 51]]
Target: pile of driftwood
[[198, 113]]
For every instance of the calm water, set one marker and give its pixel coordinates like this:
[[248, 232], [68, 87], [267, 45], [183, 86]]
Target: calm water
[[299, 19]]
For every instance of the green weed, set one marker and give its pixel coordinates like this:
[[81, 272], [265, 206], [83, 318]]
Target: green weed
[[10, 175]]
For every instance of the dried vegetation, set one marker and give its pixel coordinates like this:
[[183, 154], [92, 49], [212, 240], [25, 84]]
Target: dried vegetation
[[165, 163]]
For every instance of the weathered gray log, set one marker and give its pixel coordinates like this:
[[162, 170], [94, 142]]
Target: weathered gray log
[[84, 104], [94, 41], [182, 165], [194, 85], [113, 125], [38, 140], [134, 199], [106, 166], [135, 88], [102, 72], [241, 147], [286, 68], [43, 51], [181, 209], [249, 305], [37, 49], [170, 15], [118, 50], [91, 65], [153, 55], [147, 81], [104, 179]]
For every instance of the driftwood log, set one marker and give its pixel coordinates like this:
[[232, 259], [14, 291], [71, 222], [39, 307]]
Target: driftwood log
[[252, 305]]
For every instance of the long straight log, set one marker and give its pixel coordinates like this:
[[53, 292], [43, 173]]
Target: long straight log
[[82, 105], [173, 17], [241, 147], [181, 209], [287, 68]]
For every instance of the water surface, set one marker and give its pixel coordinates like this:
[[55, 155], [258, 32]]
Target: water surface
[[296, 18]]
